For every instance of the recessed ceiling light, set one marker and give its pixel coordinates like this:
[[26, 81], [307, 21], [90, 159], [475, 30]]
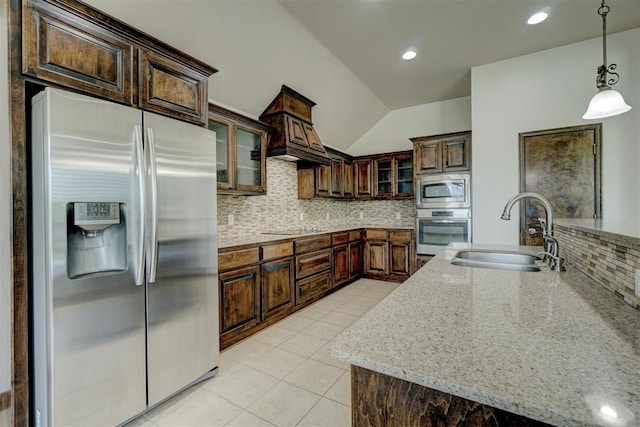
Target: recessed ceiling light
[[537, 18], [410, 54]]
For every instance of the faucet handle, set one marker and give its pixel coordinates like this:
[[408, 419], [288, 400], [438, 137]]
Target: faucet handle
[[543, 224]]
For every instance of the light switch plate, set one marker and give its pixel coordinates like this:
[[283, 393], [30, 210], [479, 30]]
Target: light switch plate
[[231, 219], [638, 282], [301, 216], [398, 216], [361, 215]]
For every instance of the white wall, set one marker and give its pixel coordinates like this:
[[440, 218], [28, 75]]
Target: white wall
[[258, 46], [545, 90], [5, 211], [393, 131]]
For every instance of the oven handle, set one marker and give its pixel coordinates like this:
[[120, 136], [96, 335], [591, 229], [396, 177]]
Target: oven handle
[[444, 221]]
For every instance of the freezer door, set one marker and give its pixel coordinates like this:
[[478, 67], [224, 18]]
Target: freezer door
[[182, 289], [89, 330]]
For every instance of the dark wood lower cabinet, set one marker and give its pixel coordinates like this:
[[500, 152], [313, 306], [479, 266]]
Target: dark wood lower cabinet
[[239, 299], [263, 283], [389, 254], [377, 258], [340, 264], [400, 261], [382, 400], [313, 286], [277, 286], [421, 260]]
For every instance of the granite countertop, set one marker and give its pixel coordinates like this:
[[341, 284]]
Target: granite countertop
[[231, 241], [620, 229], [553, 347]]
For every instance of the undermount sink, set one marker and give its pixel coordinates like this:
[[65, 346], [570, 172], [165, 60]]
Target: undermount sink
[[501, 260]]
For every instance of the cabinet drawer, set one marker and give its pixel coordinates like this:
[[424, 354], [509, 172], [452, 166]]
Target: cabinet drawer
[[76, 53], [340, 238], [377, 234], [401, 235], [312, 286], [355, 235], [312, 244], [279, 250], [312, 263], [229, 260]]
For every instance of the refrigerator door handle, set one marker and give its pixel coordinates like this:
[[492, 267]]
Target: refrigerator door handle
[[142, 202], [153, 239]]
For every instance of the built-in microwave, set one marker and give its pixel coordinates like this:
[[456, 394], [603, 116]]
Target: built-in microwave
[[449, 191]]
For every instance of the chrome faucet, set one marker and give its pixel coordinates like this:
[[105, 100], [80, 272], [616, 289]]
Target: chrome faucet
[[550, 244]]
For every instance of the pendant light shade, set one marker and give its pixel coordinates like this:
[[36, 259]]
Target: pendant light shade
[[606, 103]]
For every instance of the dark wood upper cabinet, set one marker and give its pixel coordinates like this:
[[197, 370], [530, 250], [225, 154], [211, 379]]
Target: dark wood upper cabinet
[[403, 175], [347, 179], [442, 153], [337, 178], [70, 44], [363, 178], [323, 181], [171, 88], [240, 152], [60, 48], [392, 176], [334, 180], [383, 172]]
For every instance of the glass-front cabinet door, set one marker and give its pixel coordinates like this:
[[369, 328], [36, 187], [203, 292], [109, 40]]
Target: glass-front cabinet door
[[384, 177], [241, 148], [223, 173], [404, 176], [249, 148]]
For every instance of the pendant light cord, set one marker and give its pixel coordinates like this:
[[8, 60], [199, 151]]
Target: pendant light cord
[[603, 10]]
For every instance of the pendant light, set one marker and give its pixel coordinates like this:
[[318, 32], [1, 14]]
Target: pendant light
[[607, 102]]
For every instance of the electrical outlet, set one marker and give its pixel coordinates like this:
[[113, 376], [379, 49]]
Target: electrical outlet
[[361, 215], [398, 216], [301, 216], [638, 282], [326, 216], [230, 219]]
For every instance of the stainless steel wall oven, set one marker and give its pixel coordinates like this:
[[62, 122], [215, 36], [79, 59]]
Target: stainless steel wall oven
[[436, 228]]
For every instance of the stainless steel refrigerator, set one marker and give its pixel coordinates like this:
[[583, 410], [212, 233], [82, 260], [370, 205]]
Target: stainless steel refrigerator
[[124, 272]]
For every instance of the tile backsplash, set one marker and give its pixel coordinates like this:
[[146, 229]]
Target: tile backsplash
[[281, 209], [608, 260]]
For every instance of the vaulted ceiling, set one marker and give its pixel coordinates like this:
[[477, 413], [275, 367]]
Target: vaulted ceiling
[[345, 54]]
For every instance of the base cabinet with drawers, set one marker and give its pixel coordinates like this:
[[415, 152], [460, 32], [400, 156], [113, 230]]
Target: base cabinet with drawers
[[256, 285], [313, 267], [263, 283]]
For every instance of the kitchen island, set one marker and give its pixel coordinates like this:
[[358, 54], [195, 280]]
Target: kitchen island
[[552, 348]]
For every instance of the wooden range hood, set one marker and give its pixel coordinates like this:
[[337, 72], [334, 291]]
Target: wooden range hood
[[294, 137]]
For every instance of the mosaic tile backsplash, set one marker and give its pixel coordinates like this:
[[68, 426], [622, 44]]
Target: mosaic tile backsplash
[[609, 261], [280, 208]]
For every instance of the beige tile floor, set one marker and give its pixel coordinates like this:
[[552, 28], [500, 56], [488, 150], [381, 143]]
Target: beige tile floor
[[282, 376]]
